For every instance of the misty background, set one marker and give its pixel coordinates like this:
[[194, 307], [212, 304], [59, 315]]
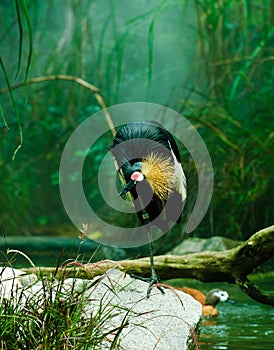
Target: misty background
[[211, 61]]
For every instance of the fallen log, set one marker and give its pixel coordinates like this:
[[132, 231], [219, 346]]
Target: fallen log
[[233, 265]]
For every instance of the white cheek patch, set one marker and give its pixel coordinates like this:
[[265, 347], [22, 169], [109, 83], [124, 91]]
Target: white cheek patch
[[137, 176], [222, 295]]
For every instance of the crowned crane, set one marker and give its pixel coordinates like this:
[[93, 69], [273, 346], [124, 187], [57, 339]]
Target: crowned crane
[[147, 160]]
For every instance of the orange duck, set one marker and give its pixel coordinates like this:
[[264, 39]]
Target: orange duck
[[208, 301]]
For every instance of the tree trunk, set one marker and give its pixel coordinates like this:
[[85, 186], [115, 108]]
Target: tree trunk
[[233, 265]]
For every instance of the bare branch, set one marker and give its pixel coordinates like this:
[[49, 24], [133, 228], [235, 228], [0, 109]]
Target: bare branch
[[233, 265], [95, 90]]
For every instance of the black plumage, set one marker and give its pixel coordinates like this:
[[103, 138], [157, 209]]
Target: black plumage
[[137, 142], [148, 161]]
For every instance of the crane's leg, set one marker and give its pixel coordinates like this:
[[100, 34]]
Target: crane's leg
[[153, 279]]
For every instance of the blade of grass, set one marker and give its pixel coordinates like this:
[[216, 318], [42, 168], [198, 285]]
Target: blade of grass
[[30, 38], [15, 108], [3, 117], [23, 254], [21, 34], [151, 30], [245, 25], [101, 41]]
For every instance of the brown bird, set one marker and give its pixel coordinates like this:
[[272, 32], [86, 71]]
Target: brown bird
[[148, 162], [209, 301]]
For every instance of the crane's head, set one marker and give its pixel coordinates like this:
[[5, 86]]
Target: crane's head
[[156, 170], [131, 173], [135, 177]]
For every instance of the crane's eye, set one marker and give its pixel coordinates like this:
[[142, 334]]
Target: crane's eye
[[137, 176]]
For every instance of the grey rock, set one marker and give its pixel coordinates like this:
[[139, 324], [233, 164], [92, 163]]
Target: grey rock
[[196, 245], [160, 322]]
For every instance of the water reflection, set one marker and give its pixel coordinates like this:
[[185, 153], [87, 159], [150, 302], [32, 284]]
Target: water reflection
[[245, 325]]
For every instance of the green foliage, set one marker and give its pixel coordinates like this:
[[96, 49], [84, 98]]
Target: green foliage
[[210, 60], [21, 11], [235, 115], [58, 321]]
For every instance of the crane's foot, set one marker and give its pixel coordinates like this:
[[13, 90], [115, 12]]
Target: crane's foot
[[151, 281]]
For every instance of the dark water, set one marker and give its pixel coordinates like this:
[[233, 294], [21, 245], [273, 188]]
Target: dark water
[[243, 325]]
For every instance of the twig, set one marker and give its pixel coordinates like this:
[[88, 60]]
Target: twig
[[95, 90]]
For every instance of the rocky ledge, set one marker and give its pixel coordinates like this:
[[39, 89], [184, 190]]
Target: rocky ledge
[[161, 322]]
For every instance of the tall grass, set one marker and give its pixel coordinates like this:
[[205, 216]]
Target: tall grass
[[234, 113], [59, 316]]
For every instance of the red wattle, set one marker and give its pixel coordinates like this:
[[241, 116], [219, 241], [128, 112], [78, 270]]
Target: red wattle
[[137, 176]]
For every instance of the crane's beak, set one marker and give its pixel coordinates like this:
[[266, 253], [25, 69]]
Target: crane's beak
[[135, 177], [129, 186]]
